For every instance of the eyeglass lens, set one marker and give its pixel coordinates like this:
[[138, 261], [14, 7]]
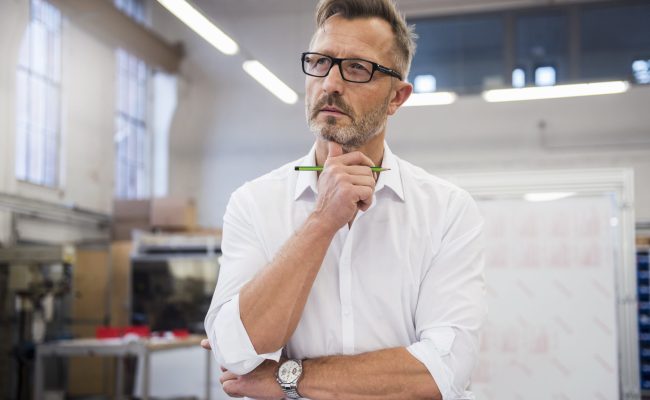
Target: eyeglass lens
[[351, 69]]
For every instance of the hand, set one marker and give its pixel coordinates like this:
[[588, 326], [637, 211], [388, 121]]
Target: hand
[[206, 344], [260, 383], [345, 186]]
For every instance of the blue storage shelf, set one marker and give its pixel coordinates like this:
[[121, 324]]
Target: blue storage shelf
[[643, 287]]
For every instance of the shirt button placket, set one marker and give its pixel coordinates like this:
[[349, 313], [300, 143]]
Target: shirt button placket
[[345, 286]]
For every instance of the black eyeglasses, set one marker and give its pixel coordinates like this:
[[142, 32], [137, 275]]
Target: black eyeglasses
[[352, 69]]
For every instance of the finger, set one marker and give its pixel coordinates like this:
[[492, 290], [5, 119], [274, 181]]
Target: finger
[[356, 158], [205, 343], [358, 170], [227, 376], [223, 369], [362, 180], [366, 202], [334, 149], [230, 388]]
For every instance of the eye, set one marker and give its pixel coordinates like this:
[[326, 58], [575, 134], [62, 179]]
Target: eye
[[357, 66], [314, 59]]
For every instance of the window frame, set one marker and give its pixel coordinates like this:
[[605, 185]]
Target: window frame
[[40, 138]]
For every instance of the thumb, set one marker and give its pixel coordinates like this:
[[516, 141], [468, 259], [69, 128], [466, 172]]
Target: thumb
[[334, 149]]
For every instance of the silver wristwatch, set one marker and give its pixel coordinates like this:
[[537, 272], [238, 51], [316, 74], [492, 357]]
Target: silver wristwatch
[[289, 374]]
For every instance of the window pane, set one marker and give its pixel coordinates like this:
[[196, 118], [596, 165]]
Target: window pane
[[38, 48], [21, 150], [542, 40], [50, 164], [132, 180], [37, 103], [22, 95], [38, 96], [36, 157], [462, 54], [53, 109], [612, 38]]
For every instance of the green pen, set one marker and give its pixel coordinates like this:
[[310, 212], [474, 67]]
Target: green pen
[[319, 168]]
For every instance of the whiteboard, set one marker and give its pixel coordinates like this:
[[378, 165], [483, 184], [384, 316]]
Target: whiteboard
[[561, 289]]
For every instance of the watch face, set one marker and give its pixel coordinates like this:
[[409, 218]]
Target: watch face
[[289, 371]]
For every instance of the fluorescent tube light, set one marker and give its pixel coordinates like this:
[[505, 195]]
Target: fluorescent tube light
[[556, 92], [271, 82], [547, 196], [430, 99], [201, 25]]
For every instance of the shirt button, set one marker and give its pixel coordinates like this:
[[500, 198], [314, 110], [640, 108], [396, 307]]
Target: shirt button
[[346, 311]]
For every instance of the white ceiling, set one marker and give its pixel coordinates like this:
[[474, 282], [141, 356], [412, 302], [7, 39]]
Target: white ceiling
[[274, 31], [412, 8]]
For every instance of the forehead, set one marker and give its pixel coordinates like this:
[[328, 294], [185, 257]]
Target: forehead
[[370, 38]]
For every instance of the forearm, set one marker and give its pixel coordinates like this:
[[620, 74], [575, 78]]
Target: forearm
[[384, 374], [271, 303]]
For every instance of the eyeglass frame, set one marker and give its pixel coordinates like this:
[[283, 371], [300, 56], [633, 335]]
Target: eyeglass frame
[[338, 61]]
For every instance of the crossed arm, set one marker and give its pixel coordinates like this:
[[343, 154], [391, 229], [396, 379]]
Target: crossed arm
[[270, 314], [383, 374]]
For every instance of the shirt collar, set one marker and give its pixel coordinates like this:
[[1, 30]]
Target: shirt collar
[[306, 180], [389, 179]]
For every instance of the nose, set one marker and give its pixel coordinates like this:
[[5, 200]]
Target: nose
[[333, 83]]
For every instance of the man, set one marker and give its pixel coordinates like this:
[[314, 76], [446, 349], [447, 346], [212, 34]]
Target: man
[[350, 284]]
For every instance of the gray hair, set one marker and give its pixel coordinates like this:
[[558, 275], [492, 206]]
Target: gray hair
[[384, 9]]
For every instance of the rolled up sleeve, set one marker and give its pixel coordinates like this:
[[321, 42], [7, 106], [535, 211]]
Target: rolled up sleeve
[[243, 257], [451, 305]]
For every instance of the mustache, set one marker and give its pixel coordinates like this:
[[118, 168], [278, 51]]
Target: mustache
[[331, 100]]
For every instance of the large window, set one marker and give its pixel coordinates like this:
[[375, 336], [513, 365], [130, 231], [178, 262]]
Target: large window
[[542, 50], [133, 8], [607, 40], [459, 53], [38, 106], [132, 140], [613, 38]]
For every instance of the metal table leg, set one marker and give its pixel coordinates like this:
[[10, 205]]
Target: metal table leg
[[38, 376]]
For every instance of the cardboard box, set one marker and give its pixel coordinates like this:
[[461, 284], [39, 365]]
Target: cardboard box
[[129, 210], [90, 308], [123, 230], [173, 213], [130, 215], [121, 283]]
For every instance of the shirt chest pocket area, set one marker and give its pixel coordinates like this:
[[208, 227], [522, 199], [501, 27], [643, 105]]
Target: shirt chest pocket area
[[386, 277]]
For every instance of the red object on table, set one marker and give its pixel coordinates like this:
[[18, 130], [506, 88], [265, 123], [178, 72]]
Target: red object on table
[[107, 332], [181, 333]]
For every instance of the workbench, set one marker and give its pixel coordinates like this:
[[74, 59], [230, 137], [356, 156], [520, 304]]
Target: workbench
[[119, 348]]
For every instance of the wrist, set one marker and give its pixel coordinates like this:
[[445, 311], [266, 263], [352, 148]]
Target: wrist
[[288, 375], [321, 224]]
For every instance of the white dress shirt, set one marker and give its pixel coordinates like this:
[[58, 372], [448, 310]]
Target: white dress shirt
[[408, 272]]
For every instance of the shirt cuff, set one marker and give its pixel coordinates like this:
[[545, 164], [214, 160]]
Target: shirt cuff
[[234, 349], [429, 352]]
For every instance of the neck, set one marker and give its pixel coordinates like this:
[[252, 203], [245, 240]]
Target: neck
[[374, 150]]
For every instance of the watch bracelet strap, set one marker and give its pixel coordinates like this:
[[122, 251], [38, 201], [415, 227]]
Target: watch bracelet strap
[[291, 391]]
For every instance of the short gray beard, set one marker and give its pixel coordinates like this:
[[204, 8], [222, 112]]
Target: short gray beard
[[352, 136]]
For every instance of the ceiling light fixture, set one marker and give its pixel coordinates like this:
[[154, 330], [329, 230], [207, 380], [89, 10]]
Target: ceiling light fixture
[[430, 99], [196, 21], [271, 82], [555, 92], [547, 196]]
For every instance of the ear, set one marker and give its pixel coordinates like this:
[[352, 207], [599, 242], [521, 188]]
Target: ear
[[401, 93]]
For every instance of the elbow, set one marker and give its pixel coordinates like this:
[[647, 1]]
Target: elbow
[[265, 345], [429, 391]]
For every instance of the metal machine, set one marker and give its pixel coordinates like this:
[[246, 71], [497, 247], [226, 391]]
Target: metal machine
[[35, 299]]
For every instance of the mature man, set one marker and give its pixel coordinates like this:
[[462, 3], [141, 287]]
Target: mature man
[[348, 283]]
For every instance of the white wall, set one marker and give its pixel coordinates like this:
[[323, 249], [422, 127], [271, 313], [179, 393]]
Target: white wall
[[88, 119], [253, 132], [88, 101]]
